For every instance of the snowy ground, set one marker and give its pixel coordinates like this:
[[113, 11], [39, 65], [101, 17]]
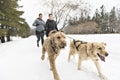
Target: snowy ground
[[20, 60]]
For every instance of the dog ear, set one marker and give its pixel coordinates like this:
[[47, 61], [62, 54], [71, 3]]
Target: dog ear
[[52, 32], [104, 43], [90, 47], [62, 31]]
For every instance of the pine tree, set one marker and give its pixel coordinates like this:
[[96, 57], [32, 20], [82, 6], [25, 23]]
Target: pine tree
[[10, 18], [103, 22], [101, 17], [106, 22], [118, 21], [96, 18], [113, 20]]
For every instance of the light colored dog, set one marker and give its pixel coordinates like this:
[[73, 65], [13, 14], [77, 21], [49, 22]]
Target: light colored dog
[[88, 50], [52, 45]]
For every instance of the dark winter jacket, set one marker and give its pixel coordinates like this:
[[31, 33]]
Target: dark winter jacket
[[40, 25], [50, 25]]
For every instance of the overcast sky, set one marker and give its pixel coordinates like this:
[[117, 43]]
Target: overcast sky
[[33, 7]]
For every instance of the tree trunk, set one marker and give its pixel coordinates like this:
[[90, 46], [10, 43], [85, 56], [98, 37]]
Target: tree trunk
[[8, 38], [2, 39]]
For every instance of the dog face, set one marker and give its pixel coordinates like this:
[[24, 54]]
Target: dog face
[[99, 50], [60, 39]]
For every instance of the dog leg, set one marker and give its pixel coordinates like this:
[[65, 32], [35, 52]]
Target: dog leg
[[79, 62], [43, 53], [72, 52], [99, 70], [69, 57], [50, 61], [53, 67], [55, 56]]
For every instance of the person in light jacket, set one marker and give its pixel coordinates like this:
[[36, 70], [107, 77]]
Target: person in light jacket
[[50, 25], [40, 28]]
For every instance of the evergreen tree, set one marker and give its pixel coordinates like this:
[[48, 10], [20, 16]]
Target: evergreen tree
[[101, 17], [96, 18], [82, 18], [88, 18], [106, 22], [103, 22], [118, 21], [10, 19], [113, 20]]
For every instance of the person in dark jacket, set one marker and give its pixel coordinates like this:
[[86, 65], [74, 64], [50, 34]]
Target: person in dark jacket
[[50, 25], [40, 28]]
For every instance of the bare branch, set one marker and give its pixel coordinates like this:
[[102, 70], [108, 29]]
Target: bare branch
[[63, 11]]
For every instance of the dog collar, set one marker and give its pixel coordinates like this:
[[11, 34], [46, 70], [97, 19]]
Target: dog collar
[[55, 49]]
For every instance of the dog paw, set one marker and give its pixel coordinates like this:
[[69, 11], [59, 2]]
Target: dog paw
[[102, 77], [79, 69], [68, 60], [43, 57], [51, 69], [57, 78]]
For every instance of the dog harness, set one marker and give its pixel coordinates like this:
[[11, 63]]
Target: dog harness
[[82, 42], [53, 47]]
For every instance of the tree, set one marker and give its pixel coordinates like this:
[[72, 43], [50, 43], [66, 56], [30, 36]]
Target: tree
[[96, 18], [101, 17], [113, 20], [118, 20], [64, 11], [10, 18]]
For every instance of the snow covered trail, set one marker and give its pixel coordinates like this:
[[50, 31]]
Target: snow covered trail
[[20, 60]]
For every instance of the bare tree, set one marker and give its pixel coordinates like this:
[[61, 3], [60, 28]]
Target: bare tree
[[63, 11]]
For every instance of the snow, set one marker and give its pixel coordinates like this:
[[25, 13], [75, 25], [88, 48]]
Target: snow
[[20, 60]]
